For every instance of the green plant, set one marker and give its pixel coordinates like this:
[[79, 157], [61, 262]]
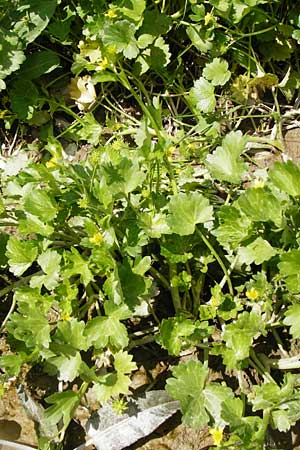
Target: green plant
[[167, 221]]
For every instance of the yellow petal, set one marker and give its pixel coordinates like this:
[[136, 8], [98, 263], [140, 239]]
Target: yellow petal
[[252, 294], [97, 238], [217, 435]]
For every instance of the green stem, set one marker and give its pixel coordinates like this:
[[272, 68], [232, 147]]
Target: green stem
[[146, 110], [254, 33], [171, 175], [174, 290], [142, 341], [260, 434], [196, 291], [125, 82], [84, 309], [83, 388], [243, 384], [277, 324], [206, 350], [160, 277], [278, 120], [69, 60], [11, 310], [69, 111], [279, 342], [18, 283], [260, 367], [219, 260], [232, 266], [8, 224], [264, 140]]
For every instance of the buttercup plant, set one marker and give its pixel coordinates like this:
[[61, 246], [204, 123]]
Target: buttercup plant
[[162, 232]]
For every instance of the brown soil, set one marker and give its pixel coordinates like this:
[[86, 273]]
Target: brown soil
[[14, 422], [292, 144]]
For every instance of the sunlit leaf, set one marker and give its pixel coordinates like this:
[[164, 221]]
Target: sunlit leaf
[[289, 267], [62, 407], [77, 265], [38, 203], [286, 177], [260, 205], [186, 210], [239, 335], [258, 251], [120, 34], [66, 366], [186, 385], [29, 325], [20, 254], [11, 53], [103, 331], [292, 319], [225, 163], [202, 95], [31, 17], [234, 227], [200, 37], [217, 72], [50, 264]]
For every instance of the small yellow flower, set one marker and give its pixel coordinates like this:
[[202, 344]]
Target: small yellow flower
[[119, 406], [170, 151], [117, 144], [51, 163], [145, 193], [94, 158], [217, 435], [3, 112], [208, 18], [97, 238], [258, 184], [83, 203], [65, 316], [111, 50], [191, 146], [214, 302], [102, 64], [111, 13], [252, 294], [116, 126]]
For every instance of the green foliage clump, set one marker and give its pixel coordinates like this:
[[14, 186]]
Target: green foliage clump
[[136, 215]]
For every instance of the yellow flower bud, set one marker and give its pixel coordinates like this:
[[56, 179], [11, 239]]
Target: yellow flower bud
[[208, 18]]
